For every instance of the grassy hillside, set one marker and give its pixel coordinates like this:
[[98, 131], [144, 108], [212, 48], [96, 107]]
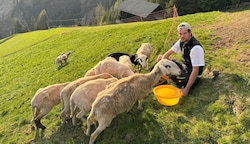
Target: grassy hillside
[[217, 111]]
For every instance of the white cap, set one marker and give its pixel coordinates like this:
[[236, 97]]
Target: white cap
[[183, 25]]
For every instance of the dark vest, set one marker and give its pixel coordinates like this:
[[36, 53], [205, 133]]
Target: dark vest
[[185, 49]]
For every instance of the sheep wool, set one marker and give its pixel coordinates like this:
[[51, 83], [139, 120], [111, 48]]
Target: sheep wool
[[84, 95], [70, 88], [43, 101], [121, 95]]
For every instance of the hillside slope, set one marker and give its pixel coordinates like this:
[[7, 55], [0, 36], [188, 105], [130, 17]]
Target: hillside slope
[[217, 111]]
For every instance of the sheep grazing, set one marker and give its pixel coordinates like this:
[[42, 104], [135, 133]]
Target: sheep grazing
[[126, 61], [117, 56], [62, 58], [69, 89], [143, 53], [111, 66], [84, 96], [43, 101], [121, 95]]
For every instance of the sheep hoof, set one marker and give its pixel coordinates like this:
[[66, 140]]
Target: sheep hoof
[[39, 125], [33, 128], [140, 108], [43, 127], [86, 132]]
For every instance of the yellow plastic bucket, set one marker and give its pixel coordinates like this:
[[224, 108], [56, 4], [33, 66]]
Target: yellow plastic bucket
[[167, 95]]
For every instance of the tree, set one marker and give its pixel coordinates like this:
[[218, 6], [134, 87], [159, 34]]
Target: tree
[[17, 27], [99, 12], [33, 23], [113, 14], [42, 20]]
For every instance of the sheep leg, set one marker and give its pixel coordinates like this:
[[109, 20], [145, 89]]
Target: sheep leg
[[63, 117], [139, 68], [88, 125], [80, 116], [39, 124], [35, 113], [65, 114], [89, 122], [140, 104], [72, 111], [147, 65], [103, 123], [40, 116]]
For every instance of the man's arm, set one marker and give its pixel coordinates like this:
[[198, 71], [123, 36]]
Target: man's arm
[[191, 80], [165, 55]]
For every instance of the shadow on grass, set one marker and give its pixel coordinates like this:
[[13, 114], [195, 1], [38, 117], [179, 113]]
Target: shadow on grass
[[135, 127], [148, 126], [62, 66], [209, 91], [66, 133]]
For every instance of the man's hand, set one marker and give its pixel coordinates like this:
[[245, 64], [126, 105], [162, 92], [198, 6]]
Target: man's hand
[[191, 80], [185, 91]]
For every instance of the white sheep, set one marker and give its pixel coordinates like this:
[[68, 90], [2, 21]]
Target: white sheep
[[62, 58], [121, 95], [43, 101], [132, 57], [111, 66], [126, 60], [69, 89], [84, 95], [143, 55]]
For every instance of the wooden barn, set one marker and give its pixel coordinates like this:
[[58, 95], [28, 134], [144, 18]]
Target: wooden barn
[[140, 10]]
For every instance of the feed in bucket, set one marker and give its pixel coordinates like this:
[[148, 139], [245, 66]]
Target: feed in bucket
[[167, 94]]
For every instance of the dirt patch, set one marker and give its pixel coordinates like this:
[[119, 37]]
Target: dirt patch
[[232, 30]]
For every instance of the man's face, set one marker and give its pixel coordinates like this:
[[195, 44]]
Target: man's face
[[184, 35]]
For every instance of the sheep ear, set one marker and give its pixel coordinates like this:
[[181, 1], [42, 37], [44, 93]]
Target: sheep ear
[[136, 56]]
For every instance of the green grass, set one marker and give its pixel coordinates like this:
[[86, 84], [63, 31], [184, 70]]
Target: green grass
[[217, 111]]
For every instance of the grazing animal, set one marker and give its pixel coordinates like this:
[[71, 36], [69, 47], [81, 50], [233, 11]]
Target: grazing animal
[[62, 58], [117, 56], [111, 66], [121, 95], [84, 95], [126, 60], [144, 53], [69, 89], [43, 101]]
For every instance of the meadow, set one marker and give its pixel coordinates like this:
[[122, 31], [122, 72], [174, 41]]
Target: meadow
[[216, 111]]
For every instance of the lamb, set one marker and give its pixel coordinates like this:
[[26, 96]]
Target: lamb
[[144, 53], [84, 96], [43, 101], [62, 58], [126, 61], [121, 95], [111, 66], [69, 89]]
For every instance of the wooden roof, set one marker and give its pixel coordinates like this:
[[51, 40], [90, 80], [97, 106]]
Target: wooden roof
[[138, 7]]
